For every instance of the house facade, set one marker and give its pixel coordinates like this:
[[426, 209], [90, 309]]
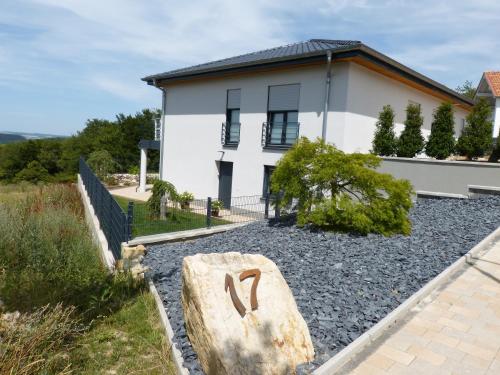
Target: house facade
[[489, 88], [225, 124]]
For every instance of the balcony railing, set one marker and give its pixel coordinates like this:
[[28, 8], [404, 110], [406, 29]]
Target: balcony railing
[[279, 134], [230, 133]]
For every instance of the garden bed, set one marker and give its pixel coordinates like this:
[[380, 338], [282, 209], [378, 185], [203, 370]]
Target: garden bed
[[343, 284]]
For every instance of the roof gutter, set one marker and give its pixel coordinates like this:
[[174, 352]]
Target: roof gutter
[[327, 93]]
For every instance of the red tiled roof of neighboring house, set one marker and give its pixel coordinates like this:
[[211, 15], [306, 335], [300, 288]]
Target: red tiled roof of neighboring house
[[493, 79]]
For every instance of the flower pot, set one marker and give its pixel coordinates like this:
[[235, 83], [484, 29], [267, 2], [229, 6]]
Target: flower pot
[[215, 212], [185, 205]]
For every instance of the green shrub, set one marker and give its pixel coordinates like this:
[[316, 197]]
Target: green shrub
[[186, 197], [441, 143], [134, 170], [161, 188], [411, 140], [384, 141], [341, 191], [476, 138], [34, 172]]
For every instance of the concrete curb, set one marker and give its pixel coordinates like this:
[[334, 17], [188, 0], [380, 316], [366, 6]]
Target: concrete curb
[[476, 191], [95, 228], [438, 195], [334, 364], [176, 353], [183, 235]]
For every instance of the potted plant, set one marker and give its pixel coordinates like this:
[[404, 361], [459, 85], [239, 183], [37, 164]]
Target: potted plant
[[216, 207], [184, 199]]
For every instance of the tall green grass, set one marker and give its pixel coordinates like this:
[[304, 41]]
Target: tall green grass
[[50, 270], [48, 257]]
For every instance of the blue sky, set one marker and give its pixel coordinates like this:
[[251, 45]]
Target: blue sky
[[65, 61]]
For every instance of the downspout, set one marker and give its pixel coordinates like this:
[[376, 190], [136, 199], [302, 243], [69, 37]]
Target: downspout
[[327, 93], [162, 121]]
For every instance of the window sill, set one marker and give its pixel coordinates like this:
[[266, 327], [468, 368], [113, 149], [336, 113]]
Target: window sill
[[277, 147], [231, 145]]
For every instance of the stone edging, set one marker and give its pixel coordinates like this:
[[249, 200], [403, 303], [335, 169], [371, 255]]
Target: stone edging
[[95, 227], [338, 361], [183, 235], [438, 195], [176, 354]]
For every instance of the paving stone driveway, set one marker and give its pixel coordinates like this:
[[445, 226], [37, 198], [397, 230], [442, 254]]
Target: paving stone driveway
[[456, 330]]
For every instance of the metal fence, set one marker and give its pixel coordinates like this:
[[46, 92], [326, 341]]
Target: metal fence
[[199, 213], [115, 224]]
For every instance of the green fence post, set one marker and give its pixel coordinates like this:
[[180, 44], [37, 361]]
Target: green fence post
[[130, 219]]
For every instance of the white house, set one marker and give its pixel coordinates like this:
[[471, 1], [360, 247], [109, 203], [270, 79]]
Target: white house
[[226, 123], [489, 88]]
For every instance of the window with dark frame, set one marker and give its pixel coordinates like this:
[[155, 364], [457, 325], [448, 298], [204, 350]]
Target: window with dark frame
[[232, 126], [282, 128], [268, 171]]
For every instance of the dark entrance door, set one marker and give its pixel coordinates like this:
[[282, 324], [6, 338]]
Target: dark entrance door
[[225, 182]]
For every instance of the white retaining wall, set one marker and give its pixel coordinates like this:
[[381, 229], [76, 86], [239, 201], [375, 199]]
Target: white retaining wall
[[442, 176]]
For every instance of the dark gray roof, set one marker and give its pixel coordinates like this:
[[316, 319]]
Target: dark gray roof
[[298, 53], [311, 47]]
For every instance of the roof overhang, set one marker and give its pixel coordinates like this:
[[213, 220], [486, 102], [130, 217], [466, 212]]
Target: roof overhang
[[360, 54]]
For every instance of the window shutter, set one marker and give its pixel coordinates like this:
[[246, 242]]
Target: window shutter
[[284, 97], [233, 99]]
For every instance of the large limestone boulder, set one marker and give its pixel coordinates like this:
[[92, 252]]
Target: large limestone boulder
[[233, 333]]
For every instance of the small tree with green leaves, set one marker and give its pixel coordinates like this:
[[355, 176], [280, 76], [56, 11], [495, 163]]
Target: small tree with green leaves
[[384, 140], [411, 140], [441, 143], [341, 191], [467, 89], [102, 163], [160, 189], [476, 138]]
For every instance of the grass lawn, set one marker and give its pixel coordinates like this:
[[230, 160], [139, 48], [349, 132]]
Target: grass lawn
[[182, 220], [130, 340]]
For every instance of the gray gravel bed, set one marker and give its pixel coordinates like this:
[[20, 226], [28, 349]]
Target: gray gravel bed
[[343, 284]]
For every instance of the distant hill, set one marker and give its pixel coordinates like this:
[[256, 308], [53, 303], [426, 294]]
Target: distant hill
[[9, 137]]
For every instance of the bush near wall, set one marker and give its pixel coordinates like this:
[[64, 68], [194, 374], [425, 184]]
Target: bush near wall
[[340, 191]]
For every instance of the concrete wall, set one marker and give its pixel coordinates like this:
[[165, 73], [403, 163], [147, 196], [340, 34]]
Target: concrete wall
[[443, 176], [368, 92]]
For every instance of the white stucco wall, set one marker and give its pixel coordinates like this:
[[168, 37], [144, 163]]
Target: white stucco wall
[[496, 118], [195, 111], [368, 92]]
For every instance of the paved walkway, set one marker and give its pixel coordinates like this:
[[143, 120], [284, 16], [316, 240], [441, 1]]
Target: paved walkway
[[454, 331], [131, 192]]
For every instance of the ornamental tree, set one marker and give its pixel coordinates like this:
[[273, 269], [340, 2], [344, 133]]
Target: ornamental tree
[[411, 140], [476, 138], [384, 141], [102, 163], [441, 143], [340, 191]]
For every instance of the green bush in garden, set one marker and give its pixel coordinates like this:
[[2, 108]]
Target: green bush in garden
[[441, 143], [476, 138], [384, 141], [161, 188], [411, 140], [340, 191]]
